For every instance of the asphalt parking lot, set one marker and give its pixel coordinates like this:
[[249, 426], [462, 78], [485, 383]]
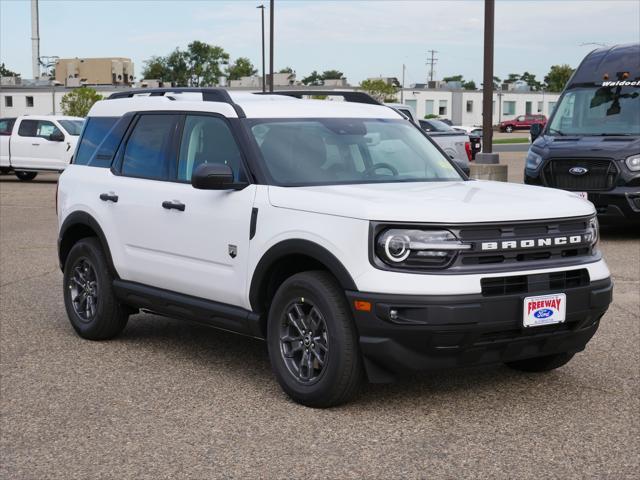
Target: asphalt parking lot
[[172, 399]]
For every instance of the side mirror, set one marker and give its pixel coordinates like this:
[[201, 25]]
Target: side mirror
[[57, 136], [535, 131], [212, 176]]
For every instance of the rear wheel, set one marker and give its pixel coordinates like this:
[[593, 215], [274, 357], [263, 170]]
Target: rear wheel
[[313, 344], [26, 176], [542, 364], [508, 129], [91, 305]]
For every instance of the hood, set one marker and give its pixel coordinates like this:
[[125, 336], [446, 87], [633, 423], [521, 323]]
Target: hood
[[616, 147], [437, 202]]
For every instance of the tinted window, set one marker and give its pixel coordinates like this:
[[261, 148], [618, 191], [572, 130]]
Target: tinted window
[[148, 150], [207, 139], [95, 134], [6, 125], [37, 128], [73, 127]]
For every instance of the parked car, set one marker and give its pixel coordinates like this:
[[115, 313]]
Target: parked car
[[475, 137], [455, 146], [336, 231], [591, 144], [32, 144], [455, 143], [522, 122]]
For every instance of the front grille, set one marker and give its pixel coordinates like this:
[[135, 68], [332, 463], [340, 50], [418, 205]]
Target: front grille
[[601, 174], [483, 260], [536, 283]]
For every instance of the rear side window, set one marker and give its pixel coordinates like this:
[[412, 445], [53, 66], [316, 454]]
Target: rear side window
[[6, 126], [98, 142], [148, 153]]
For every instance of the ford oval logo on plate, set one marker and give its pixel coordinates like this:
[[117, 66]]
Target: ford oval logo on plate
[[578, 171], [543, 313]]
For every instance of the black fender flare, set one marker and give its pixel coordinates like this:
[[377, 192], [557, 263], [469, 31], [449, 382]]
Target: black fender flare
[[297, 247], [82, 218]]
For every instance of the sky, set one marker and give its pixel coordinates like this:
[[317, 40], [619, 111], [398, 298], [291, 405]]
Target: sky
[[362, 39]]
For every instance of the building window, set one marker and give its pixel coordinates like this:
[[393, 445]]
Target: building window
[[8, 101], [540, 107], [469, 106], [493, 106], [413, 104], [552, 105], [29, 101], [527, 108], [442, 107], [509, 108], [428, 107]]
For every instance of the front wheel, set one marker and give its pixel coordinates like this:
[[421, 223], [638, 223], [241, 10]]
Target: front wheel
[[313, 344], [92, 308], [542, 364], [26, 176]]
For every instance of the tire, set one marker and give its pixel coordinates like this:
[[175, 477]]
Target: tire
[[508, 129], [96, 313], [329, 337], [26, 176], [542, 364]]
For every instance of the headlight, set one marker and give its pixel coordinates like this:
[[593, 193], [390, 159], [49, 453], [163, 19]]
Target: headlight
[[593, 230], [633, 162], [409, 248], [533, 160]]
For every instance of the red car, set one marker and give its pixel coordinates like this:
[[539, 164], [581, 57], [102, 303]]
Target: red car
[[522, 122]]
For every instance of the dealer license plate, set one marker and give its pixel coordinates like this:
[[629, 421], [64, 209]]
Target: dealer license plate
[[544, 310]]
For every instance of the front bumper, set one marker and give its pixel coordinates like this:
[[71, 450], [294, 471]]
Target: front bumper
[[435, 332]]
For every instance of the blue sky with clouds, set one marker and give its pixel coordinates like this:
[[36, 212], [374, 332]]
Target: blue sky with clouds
[[362, 39]]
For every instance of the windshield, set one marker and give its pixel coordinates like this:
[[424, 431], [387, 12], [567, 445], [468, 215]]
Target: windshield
[[73, 127], [598, 111], [341, 150]]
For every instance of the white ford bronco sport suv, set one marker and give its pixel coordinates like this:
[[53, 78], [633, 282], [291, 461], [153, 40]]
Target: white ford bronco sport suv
[[336, 230]]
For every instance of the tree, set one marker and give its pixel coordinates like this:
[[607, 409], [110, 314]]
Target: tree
[[496, 82], [78, 102], [530, 79], [470, 85], [5, 72], [314, 79], [378, 89], [156, 68], [558, 77], [178, 68], [204, 63], [454, 78], [241, 68], [286, 70], [332, 75]]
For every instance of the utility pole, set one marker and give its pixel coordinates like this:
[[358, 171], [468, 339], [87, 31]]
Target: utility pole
[[487, 87], [264, 73], [402, 86], [432, 62], [35, 39], [271, 7]]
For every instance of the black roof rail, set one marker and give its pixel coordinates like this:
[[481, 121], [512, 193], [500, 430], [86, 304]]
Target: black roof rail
[[208, 95], [348, 95]]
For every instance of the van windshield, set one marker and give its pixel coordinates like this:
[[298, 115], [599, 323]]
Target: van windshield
[[602, 110], [330, 151]]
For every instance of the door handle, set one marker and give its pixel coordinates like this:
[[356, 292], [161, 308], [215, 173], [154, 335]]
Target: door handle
[[35, 144], [108, 197], [173, 205]]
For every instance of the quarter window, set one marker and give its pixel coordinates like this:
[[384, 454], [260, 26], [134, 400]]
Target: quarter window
[[207, 139], [148, 151]]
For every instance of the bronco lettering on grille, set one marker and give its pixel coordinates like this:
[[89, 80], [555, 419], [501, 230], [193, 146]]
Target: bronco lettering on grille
[[533, 243]]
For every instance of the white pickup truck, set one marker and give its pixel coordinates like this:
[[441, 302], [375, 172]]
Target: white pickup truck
[[31, 144]]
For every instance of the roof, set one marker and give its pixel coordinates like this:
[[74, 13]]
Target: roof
[[609, 63], [251, 104]]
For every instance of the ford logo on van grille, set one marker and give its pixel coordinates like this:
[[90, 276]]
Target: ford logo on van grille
[[578, 171]]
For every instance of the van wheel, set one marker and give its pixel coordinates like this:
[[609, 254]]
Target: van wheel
[[91, 305], [26, 176], [508, 129], [313, 343], [542, 364]]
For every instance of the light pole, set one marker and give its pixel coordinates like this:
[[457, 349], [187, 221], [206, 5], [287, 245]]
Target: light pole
[[264, 79], [402, 86], [271, 7], [487, 87]]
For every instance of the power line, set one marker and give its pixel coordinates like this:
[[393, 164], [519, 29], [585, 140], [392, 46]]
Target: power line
[[432, 62]]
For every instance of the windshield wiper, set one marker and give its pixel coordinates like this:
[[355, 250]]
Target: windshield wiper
[[555, 130]]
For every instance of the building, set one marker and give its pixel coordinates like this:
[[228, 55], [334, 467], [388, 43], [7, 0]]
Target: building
[[464, 107], [75, 72], [255, 81]]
